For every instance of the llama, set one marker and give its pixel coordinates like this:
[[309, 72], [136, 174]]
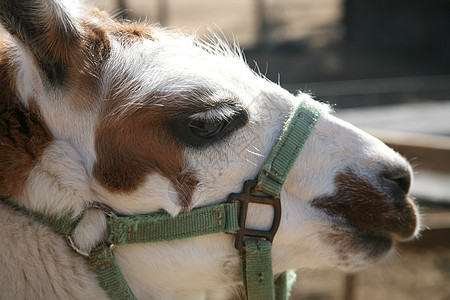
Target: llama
[[145, 120]]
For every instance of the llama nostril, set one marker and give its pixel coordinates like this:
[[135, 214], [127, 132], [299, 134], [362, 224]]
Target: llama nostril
[[401, 179]]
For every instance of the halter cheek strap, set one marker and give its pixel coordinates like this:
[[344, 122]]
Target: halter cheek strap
[[288, 147], [230, 217]]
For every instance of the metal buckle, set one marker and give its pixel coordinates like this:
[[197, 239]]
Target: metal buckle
[[247, 196], [108, 211]]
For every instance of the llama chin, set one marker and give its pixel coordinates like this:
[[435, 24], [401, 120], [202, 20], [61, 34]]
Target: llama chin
[[144, 120]]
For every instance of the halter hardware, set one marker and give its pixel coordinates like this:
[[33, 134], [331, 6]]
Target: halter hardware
[[247, 196], [108, 211]]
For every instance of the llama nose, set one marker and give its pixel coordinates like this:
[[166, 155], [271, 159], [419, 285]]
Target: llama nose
[[397, 181], [401, 177], [402, 215]]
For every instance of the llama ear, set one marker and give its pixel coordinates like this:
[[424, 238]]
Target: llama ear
[[48, 30]]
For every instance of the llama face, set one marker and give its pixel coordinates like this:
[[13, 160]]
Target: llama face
[[146, 120]]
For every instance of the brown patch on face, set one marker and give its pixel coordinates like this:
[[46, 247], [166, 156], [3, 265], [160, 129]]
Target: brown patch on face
[[365, 207], [23, 135], [131, 147]]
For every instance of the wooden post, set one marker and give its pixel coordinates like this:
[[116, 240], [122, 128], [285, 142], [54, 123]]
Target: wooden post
[[163, 12], [349, 287], [122, 8], [260, 21]]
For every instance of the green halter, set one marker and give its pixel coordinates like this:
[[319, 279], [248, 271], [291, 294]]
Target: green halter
[[230, 217]]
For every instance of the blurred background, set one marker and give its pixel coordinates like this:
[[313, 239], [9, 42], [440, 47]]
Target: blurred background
[[385, 67]]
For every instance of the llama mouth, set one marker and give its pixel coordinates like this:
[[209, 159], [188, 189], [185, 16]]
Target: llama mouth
[[356, 241], [374, 244]]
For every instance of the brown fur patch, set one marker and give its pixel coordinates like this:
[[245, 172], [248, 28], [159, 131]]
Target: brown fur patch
[[23, 135], [85, 77], [131, 147], [96, 48], [367, 208], [130, 33], [126, 32]]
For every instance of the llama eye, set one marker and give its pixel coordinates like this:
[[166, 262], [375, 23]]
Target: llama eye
[[206, 129], [198, 132]]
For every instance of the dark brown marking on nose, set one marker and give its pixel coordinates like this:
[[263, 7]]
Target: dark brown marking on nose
[[384, 210]]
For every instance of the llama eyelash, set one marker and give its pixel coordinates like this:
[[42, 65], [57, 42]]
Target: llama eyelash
[[200, 129]]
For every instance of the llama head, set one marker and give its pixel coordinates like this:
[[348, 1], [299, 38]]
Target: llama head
[[146, 120]]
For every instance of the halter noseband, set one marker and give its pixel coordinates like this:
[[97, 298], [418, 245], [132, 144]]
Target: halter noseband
[[230, 217]]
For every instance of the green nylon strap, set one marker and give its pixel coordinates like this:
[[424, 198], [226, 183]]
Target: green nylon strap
[[103, 262], [258, 277], [288, 147], [164, 227], [259, 282], [64, 224]]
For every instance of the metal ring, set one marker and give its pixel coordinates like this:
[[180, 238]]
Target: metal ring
[[104, 208], [108, 211], [75, 247]]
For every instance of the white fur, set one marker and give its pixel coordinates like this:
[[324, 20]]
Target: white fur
[[58, 183]]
